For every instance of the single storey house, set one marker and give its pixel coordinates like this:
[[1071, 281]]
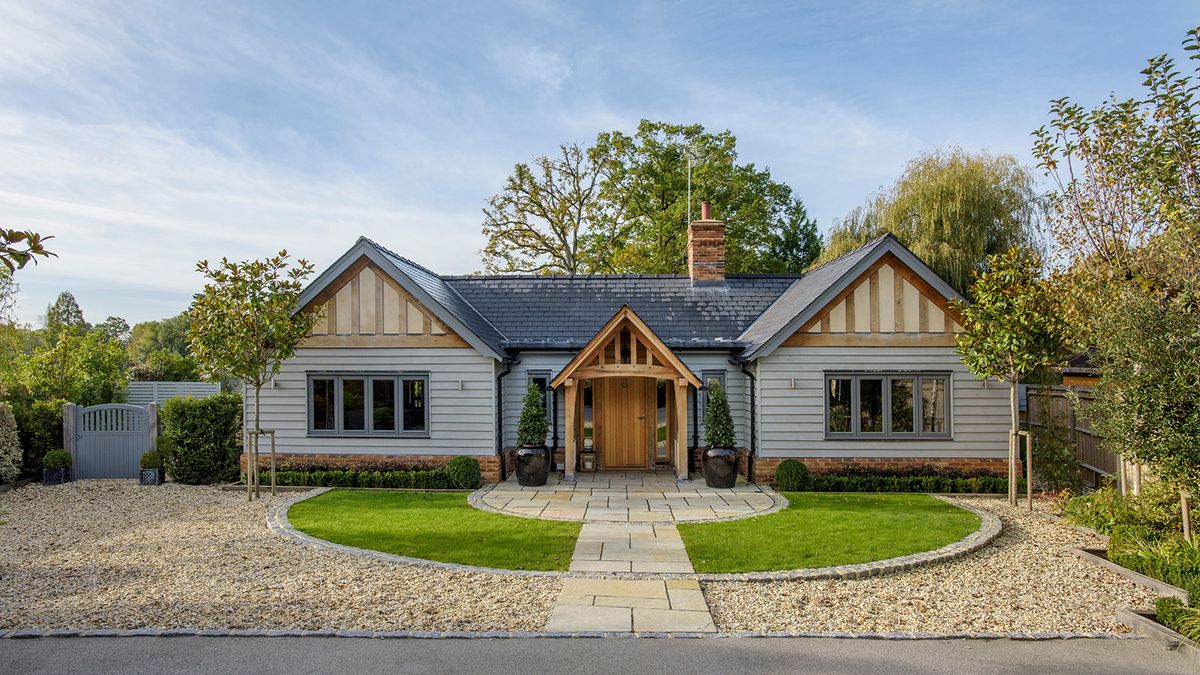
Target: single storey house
[[851, 362]]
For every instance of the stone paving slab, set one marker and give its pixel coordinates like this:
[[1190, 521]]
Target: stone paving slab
[[628, 497]]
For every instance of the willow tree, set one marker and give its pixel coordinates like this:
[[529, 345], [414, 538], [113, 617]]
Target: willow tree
[[244, 324], [1012, 327], [952, 208]]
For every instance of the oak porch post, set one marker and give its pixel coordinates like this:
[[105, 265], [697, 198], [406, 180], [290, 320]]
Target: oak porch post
[[571, 420], [681, 429]]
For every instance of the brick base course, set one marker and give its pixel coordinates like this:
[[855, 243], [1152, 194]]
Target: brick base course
[[489, 465], [764, 467]]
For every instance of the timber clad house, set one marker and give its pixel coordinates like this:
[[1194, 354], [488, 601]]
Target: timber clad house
[[851, 362]]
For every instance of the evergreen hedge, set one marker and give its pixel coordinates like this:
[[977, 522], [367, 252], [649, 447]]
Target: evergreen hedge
[[792, 475], [40, 430], [201, 438]]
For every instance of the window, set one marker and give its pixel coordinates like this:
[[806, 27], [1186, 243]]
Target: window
[[709, 378], [542, 379], [886, 405], [372, 404]]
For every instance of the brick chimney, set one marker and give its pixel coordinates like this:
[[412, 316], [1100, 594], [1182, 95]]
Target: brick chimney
[[706, 249]]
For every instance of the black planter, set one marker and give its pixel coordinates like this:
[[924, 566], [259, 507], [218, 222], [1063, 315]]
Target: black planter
[[720, 467], [54, 476], [152, 476], [533, 465]]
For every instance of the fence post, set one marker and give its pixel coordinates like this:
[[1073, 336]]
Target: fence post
[[70, 419], [152, 424]]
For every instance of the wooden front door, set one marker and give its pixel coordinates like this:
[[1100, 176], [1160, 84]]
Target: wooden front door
[[624, 411]]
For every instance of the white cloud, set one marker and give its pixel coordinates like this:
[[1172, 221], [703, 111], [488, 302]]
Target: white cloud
[[530, 66]]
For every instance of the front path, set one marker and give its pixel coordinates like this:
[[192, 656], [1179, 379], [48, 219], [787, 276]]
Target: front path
[[621, 605]]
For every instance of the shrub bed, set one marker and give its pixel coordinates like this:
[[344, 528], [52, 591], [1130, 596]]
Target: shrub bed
[[793, 476], [1170, 559], [40, 429], [1155, 510], [461, 473]]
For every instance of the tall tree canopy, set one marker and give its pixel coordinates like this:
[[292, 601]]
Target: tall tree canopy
[[621, 206], [953, 208], [64, 316]]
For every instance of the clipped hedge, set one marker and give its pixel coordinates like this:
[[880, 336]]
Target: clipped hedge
[[464, 472], [792, 475], [437, 479], [200, 441], [10, 445]]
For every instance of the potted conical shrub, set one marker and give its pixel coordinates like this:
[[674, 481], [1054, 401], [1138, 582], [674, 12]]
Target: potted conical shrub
[[56, 467], [533, 459], [720, 460]]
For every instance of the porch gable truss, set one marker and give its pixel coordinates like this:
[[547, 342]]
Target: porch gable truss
[[625, 346]]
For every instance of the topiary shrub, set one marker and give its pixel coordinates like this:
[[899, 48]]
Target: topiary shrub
[[151, 459], [464, 472], [200, 441], [718, 422], [57, 460], [40, 429], [792, 476], [10, 446], [532, 428]]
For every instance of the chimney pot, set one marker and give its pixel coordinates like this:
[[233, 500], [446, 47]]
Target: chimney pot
[[706, 249]]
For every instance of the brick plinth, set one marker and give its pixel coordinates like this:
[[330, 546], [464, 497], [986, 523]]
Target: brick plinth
[[489, 465], [764, 467]]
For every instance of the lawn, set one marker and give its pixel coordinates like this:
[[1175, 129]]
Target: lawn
[[821, 529], [435, 526]]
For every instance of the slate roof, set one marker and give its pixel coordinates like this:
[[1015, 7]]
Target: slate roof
[[565, 312]]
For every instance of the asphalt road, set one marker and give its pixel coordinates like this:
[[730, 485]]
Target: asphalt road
[[619, 655]]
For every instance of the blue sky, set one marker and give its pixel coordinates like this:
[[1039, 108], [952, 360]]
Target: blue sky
[[146, 136]]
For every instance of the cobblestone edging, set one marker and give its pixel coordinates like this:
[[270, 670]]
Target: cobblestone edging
[[475, 499], [33, 633], [989, 529]]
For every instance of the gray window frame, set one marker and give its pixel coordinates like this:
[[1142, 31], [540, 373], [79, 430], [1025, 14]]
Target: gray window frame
[[704, 377], [917, 377], [399, 377], [548, 400]]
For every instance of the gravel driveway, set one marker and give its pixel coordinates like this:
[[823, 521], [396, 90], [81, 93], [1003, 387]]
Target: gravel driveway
[[112, 554], [1024, 581]]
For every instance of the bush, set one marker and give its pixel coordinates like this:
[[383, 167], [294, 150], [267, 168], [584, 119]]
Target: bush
[[1172, 613], [464, 472], [40, 429], [1171, 559], [151, 459], [792, 476], [200, 441], [57, 460], [10, 446], [1055, 466], [1156, 509], [718, 423], [532, 427]]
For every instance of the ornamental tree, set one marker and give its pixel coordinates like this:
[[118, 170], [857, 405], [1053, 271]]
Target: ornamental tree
[[245, 323], [1012, 327], [532, 427], [718, 423]]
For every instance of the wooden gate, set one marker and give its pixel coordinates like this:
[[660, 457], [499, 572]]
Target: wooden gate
[[108, 440]]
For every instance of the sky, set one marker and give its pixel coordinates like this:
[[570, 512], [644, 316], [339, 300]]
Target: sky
[[145, 136]]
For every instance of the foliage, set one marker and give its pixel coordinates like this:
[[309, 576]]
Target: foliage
[[464, 472], [165, 365], [8, 296], [148, 337], [1144, 406], [953, 209], [1172, 613], [200, 440], [116, 329], [18, 247], [85, 369], [57, 460], [621, 206], [817, 530], [64, 315], [1170, 559], [792, 476], [1055, 466], [40, 430], [151, 459], [718, 423], [413, 479], [982, 484], [532, 427], [10, 445], [1156, 510], [436, 526]]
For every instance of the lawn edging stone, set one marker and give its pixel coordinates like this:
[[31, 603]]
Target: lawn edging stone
[[990, 527]]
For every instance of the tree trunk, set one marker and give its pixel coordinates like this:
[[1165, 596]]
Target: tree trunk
[[1187, 514], [1012, 444]]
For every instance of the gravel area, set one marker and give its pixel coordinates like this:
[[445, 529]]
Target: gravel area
[[1024, 581], [112, 554]]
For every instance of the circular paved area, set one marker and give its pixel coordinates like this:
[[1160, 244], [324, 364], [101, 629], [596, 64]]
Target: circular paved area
[[628, 497]]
